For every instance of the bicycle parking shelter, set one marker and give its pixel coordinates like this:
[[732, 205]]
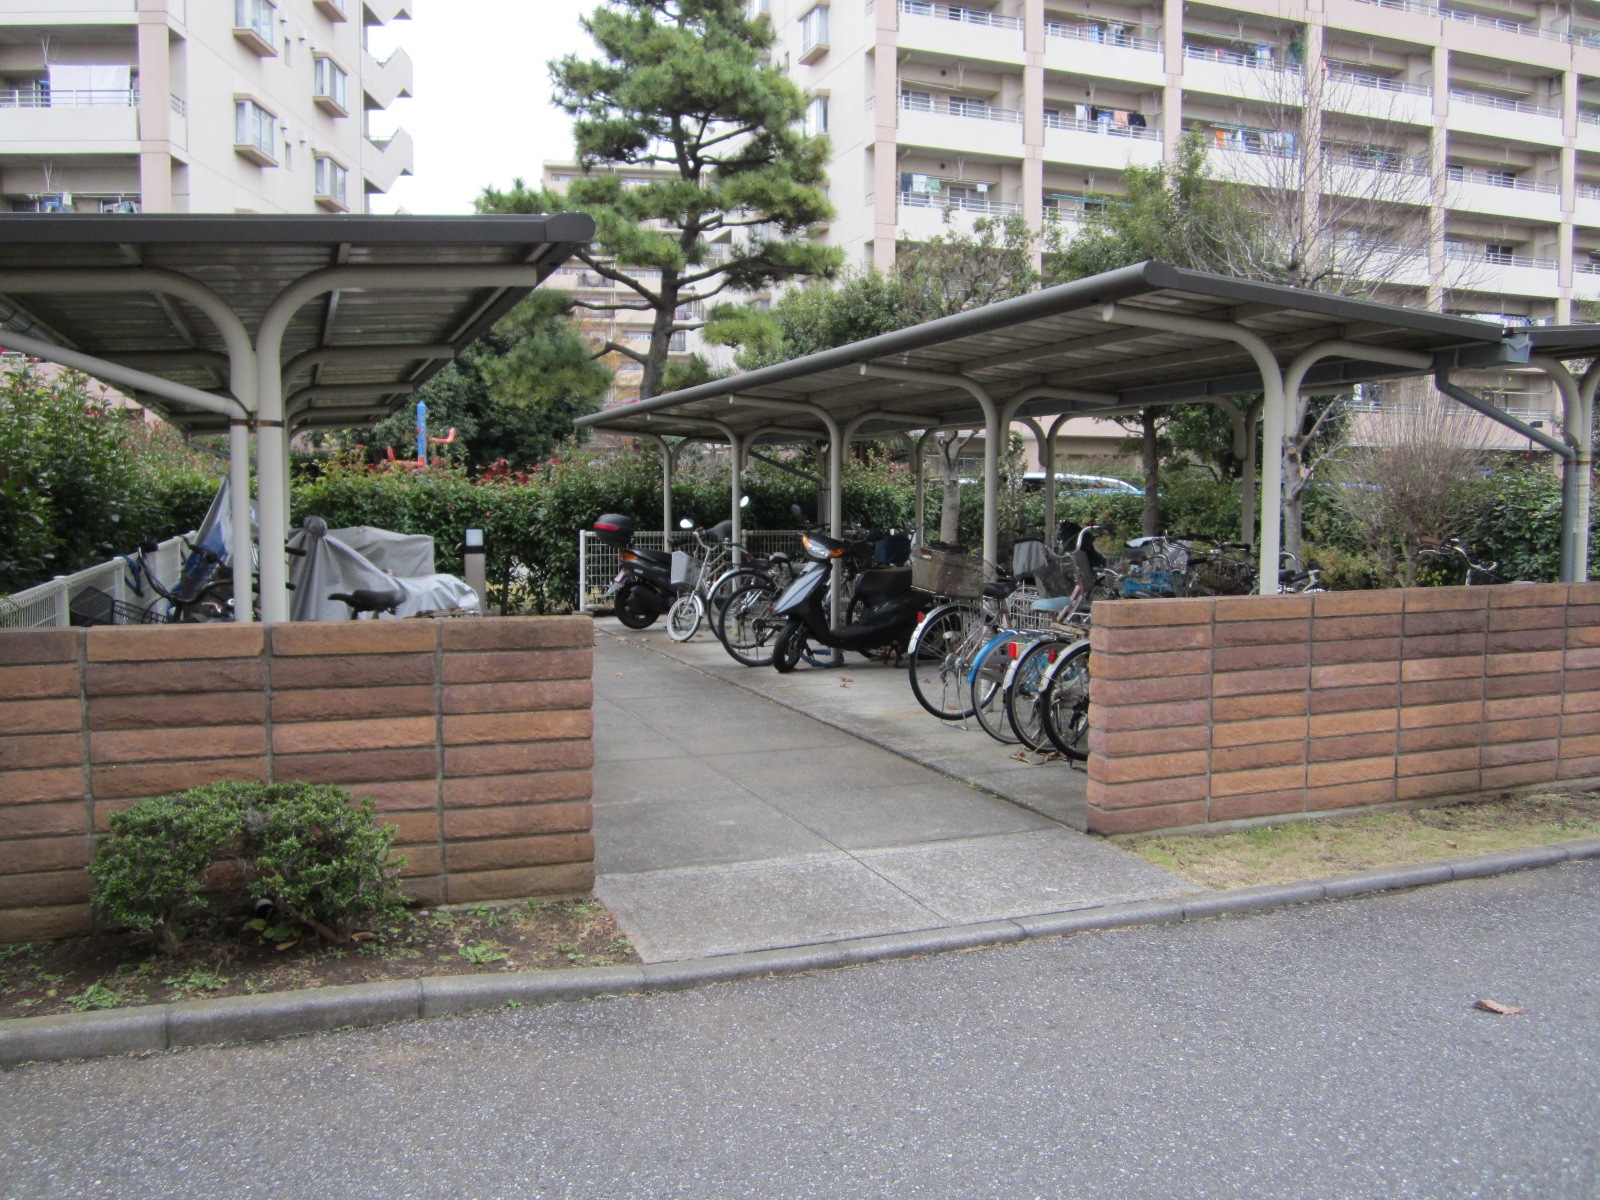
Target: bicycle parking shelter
[[1146, 335], [261, 326]]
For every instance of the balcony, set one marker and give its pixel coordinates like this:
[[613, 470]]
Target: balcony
[[1099, 143], [921, 217], [1496, 24], [1503, 194], [1478, 269], [1240, 76], [1377, 97], [962, 33], [387, 81], [381, 12], [1589, 129], [1504, 118], [1586, 204], [70, 121], [334, 10], [384, 161], [1132, 52], [957, 125]]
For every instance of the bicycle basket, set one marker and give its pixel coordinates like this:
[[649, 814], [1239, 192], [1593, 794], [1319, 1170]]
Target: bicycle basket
[[1220, 577], [1054, 579], [685, 569], [946, 573]]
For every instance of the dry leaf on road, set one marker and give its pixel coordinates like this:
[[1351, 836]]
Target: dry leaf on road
[[1494, 1006]]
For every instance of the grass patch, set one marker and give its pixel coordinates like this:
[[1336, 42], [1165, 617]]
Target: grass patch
[[1294, 850]]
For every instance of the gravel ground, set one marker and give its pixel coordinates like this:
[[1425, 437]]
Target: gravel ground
[[1324, 1052]]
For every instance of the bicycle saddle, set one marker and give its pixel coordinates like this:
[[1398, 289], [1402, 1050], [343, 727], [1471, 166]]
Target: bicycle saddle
[[1000, 588], [370, 599]]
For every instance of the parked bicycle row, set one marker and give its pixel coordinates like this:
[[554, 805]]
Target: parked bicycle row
[[1004, 646]]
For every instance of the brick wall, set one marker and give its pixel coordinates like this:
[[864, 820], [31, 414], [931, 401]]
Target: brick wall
[[1210, 710], [472, 737]]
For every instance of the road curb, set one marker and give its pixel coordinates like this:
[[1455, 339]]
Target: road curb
[[283, 1014]]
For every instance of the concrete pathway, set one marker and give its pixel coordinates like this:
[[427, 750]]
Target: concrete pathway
[[873, 701], [726, 822]]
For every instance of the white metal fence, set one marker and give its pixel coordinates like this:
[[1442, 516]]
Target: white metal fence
[[598, 563], [52, 603]]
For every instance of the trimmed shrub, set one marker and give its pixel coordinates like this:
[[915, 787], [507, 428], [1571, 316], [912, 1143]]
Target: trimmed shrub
[[322, 863]]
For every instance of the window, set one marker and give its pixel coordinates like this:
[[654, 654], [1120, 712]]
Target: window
[[253, 24], [255, 134], [1500, 252], [816, 124], [678, 342], [328, 88], [333, 184], [814, 34]]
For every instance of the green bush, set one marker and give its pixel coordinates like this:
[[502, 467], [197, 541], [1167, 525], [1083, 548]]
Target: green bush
[[321, 862]]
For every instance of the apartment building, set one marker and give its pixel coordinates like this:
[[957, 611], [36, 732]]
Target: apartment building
[[196, 105], [1466, 134]]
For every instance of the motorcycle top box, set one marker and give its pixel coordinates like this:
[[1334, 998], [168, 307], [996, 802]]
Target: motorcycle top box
[[614, 529]]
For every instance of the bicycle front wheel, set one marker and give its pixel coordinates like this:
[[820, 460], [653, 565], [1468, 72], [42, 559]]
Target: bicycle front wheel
[[1064, 703], [684, 617], [1024, 688], [940, 651], [987, 685]]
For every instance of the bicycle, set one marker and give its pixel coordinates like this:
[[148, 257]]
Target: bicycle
[[1458, 548], [693, 576]]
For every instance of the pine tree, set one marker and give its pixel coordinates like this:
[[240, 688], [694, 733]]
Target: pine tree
[[681, 86]]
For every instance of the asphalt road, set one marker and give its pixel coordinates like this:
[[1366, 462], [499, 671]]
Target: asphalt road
[[1325, 1052]]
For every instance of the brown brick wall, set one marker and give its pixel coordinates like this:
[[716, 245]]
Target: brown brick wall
[[472, 737], [1217, 709]]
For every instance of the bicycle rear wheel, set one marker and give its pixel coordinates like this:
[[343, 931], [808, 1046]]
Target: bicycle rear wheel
[[746, 627], [1064, 703], [1024, 688], [938, 652], [987, 685]]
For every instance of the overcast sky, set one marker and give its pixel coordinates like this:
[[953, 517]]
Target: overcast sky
[[481, 113]]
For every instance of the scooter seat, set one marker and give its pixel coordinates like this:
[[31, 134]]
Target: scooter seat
[[663, 557]]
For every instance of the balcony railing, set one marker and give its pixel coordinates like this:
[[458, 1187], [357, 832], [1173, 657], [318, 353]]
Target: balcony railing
[[1380, 82], [1132, 37], [1587, 268], [969, 204], [1588, 191], [1468, 18], [69, 98], [1497, 179], [1505, 103], [975, 110], [1496, 258], [954, 12], [1232, 58], [1589, 116], [1376, 160], [1264, 143], [1105, 126]]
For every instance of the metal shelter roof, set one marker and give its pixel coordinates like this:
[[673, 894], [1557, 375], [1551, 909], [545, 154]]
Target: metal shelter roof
[[1066, 339], [249, 260]]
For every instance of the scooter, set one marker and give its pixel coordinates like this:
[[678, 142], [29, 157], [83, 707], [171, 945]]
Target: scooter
[[883, 611], [643, 589]]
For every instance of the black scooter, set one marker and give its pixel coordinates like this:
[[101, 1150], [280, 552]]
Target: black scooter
[[883, 611], [643, 589]]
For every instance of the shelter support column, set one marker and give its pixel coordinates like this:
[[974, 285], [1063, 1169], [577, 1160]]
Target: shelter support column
[[920, 484], [241, 541], [1275, 408], [1577, 406], [736, 449], [1047, 461]]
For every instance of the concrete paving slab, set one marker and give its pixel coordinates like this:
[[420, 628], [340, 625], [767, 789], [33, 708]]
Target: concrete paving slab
[[644, 835], [845, 768], [683, 778], [1017, 875], [699, 912], [909, 814]]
